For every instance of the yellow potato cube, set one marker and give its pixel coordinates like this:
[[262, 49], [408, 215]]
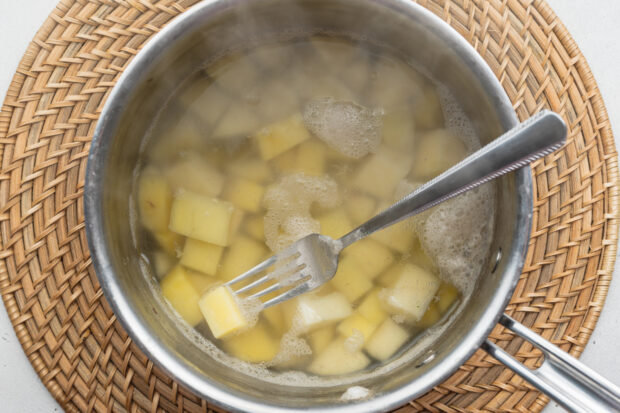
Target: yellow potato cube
[[235, 223], [428, 113], [195, 175], [447, 295], [371, 256], [154, 200], [162, 263], [255, 226], [311, 158], [312, 312], [222, 312], [360, 208], [255, 170], [319, 339], [245, 194], [336, 359], [430, 317], [335, 223], [389, 277], [399, 237], [242, 255], [201, 256], [393, 84], [399, 129], [285, 163], [202, 218], [436, 151], [235, 76], [256, 345], [372, 309], [238, 121], [356, 322], [182, 295], [201, 282], [380, 175], [275, 317], [386, 340], [168, 241], [412, 293], [281, 136], [276, 99], [350, 279]]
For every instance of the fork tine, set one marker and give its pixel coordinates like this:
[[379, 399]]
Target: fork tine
[[252, 271], [273, 275], [267, 290], [293, 292]]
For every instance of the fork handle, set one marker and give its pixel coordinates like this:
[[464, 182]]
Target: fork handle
[[538, 136]]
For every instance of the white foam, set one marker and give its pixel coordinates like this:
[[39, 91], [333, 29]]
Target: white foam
[[355, 393], [349, 128], [355, 341]]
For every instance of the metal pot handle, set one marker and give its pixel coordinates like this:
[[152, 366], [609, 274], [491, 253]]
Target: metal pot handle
[[560, 376]]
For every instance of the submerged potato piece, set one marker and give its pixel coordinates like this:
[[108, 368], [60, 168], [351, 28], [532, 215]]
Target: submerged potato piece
[[359, 323], [399, 237], [360, 208], [275, 318], [311, 158], [312, 312], [235, 223], [335, 223], [351, 279], [319, 339], [436, 151], [412, 293], [242, 255], [399, 128], [162, 263], [386, 340], [255, 226], [253, 169], [235, 76], [428, 113], [393, 84], [182, 295], [154, 200], [447, 295], [201, 217], [380, 175], [201, 281], [222, 312], [168, 241], [201, 256], [245, 194], [372, 309], [430, 317], [256, 345], [281, 136], [388, 277], [337, 359], [196, 175], [240, 120], [371, 256]]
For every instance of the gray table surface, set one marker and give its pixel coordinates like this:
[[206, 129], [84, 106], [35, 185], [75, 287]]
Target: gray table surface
[[596, 30]]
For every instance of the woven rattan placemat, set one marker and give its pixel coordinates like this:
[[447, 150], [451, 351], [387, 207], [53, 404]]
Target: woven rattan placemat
[[51, 292]]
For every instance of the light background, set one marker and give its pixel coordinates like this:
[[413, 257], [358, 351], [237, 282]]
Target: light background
[[594, 27]]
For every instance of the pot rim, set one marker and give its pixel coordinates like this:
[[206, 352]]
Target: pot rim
[[214, 392]]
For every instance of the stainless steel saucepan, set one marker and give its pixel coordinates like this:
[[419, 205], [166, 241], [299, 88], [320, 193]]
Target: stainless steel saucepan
[[210, 29]]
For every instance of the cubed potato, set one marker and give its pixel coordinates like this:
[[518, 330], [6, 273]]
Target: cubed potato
[[356, 322], [245, 194], [201, 282], [311, 157], [336, 359], [182, 295], [386, 340], [195, 175], [253, 169], [240, 120], [255, 226], [281, 136], [272, 58], [382, 172], [312, 312], [351, 279], [335, 223], [235, 76], [372, 308], [162, 263], [222, 312], [236, 220], [399, 129], [412, 293], [428, 113], [285, 163], [274, 316], [371, 256], [201, 217], [276, 99], [399, 237], [320, 339], [154, 200], [357, 74], [389, 277], [393, 84], [256, 345], [242, 255], [430, 317], [169, 241], [447, 295], [360, 208], [201, 256], [436, 151], [332, 55]]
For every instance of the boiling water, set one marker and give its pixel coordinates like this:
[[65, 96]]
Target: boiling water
[[373, 130]]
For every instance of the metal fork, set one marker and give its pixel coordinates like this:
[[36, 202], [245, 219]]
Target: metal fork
[[313, 260]]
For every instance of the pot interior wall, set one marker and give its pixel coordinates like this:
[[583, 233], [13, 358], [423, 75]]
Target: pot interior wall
[[230, 25]]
